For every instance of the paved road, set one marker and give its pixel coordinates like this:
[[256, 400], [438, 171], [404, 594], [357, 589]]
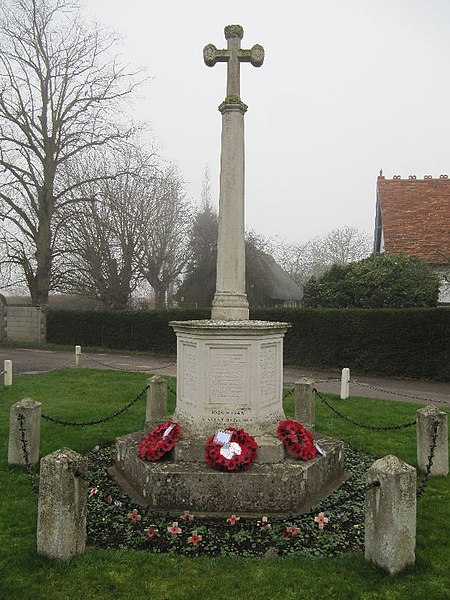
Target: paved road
[[26, 360]]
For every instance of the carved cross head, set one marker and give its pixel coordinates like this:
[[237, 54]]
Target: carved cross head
[[233, 55]]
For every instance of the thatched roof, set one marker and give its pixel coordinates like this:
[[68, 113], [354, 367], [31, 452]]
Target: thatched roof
[[280, 286]]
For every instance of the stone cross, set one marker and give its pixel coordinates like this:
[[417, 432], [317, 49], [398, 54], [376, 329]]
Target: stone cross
[[233, 55], [230, 300]]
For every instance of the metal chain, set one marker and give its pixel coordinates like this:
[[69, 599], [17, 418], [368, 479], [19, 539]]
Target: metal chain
[[68, 363], [172, 389], [85, 478], [26, 453], [363, 425], [292, 383], [372, 387], [126, 370], [97, 421], [423, 484], [401, 394]]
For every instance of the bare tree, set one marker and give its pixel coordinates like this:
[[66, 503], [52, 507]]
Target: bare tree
[[206, 188], [104, 238], [342, 246], [59, 88], [165, 243], [307, 259]]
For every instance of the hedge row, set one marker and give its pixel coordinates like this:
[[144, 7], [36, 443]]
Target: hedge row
[[126, 330], [411, 342]]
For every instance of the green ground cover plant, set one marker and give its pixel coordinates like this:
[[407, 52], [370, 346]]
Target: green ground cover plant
[[84, 395]]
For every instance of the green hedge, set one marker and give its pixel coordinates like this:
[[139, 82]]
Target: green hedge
[[126, 330], [412, 342]]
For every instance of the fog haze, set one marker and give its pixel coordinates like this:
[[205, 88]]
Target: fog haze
[[347, 88]]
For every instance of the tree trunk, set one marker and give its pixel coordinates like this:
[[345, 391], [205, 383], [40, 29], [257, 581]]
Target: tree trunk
[[160, 296]]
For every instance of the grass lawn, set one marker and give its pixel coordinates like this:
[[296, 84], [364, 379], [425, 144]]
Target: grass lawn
[[130, 574]]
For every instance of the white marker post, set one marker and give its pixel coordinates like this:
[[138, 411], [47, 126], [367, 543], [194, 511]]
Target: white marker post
[[345, 383], [78, 356], [7, 371]]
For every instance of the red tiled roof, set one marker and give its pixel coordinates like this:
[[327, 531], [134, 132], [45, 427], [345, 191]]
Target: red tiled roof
[[415, 214]]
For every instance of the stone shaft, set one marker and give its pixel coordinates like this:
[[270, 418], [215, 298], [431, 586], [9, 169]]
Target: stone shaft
[[230, 300], [426, 418], [305, 408], [27, 441], [390, 515], [61, 525]]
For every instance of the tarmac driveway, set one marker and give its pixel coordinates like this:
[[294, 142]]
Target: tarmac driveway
[[30, 360]]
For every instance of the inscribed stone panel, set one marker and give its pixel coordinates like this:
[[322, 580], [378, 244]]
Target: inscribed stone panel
[[268, 383], [228, 368], [190, 373]]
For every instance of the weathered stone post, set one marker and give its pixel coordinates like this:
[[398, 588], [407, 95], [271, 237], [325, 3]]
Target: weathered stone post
[[345, 383], [7, 368], [61, 525], [426, 419], [25, 432], [305, 407], [156, 407], [78, 357], [390, 515]]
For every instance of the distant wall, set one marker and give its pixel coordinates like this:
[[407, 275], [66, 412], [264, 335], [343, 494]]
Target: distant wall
[[23, 323]]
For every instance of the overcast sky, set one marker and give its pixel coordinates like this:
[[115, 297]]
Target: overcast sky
[[348, 87]]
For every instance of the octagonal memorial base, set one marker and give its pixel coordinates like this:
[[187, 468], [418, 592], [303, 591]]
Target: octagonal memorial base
[[229, 373], [275, 489]]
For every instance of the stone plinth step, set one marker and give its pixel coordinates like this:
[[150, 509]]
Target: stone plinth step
[[277, 489]]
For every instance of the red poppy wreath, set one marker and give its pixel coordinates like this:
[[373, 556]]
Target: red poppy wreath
[[238, 454], [160, 440], [297, 440]]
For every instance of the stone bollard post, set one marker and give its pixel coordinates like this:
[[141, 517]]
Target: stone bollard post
[[426, 417], [390, 515], [24, 437], [156, 408], [78, 357], [61, 524], [345, 383], [305, 407], [7, 368]]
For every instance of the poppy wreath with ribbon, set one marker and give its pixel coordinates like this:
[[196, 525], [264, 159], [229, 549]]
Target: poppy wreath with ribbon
[[297, 440], [160, 440], [237, 455]]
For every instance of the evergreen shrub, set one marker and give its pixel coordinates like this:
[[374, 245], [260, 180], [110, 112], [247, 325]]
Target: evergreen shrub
[[410, 342]]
